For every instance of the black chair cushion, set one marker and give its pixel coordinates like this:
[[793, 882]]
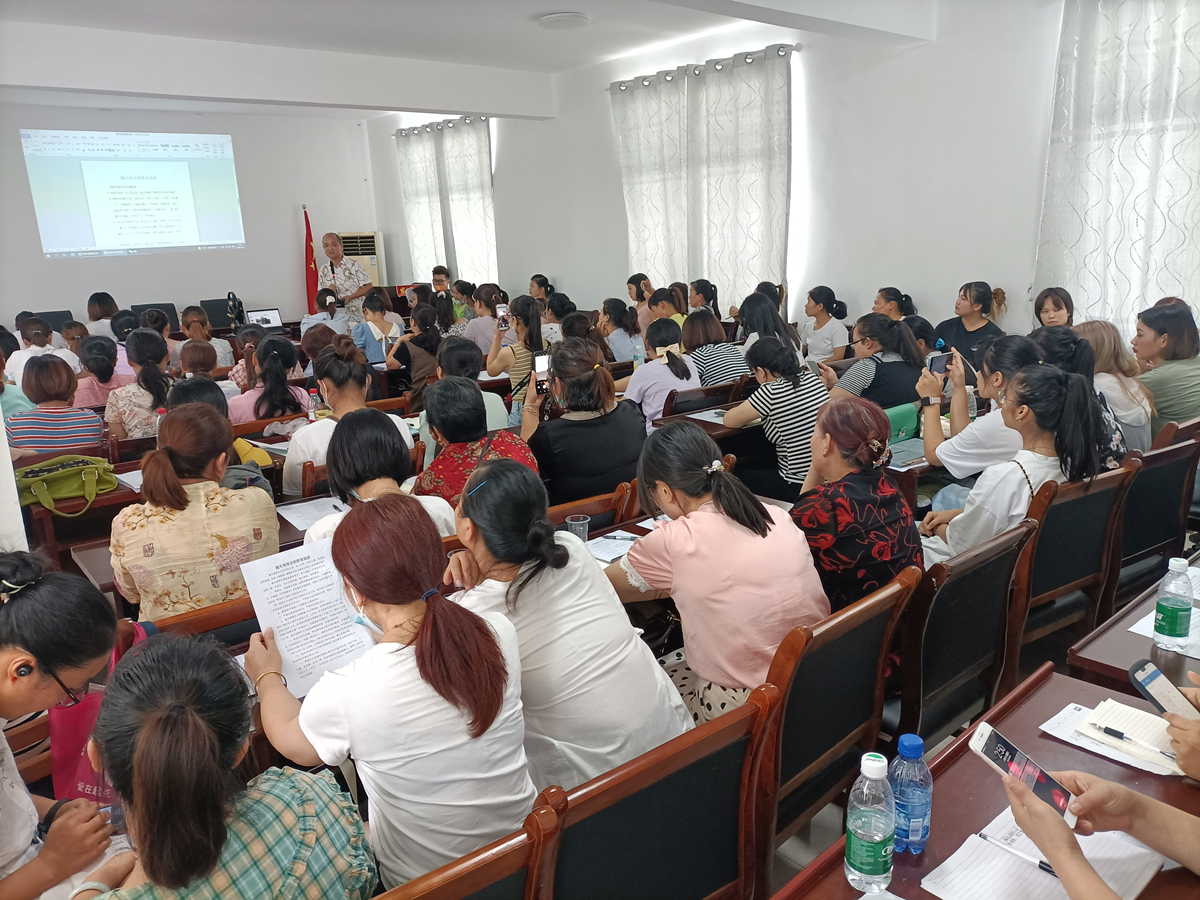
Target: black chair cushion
[[957, 707], [1152, 507], [1056, 610], [1137, 577], [510, 888], [797, 802]]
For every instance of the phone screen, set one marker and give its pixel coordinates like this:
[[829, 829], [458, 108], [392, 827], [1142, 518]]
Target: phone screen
[[541, 371], [1002, 752], [116, 817], [1159, 690], [814, 367], [937, 365], [502, 315]]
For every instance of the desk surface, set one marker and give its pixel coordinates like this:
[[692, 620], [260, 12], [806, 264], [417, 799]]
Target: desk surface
[[967, 794], [712, 429]]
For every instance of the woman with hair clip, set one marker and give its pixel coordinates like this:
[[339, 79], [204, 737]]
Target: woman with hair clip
[[463, 294], [98, 355], [174, 725], [889, 364], [132, 411], [823, 334], [703, 295], [183, 548], [431, 714], [706, 344], [619, 325], [1116, 379], [1167, 347], [56, 635], [1053, 306], [329, 314], [788, 399], [663, 305], [924, 334], [343, 377], [274, 359], [594, 445], [1061, 428], [638, 286], [666, 369], [517, 359], [199, 358], [857, 523], [376, 335], [578, 325], [479, 329], [593, 694], [740, 573], [760, 318], [416, 353], [894, 304], [975, 312]]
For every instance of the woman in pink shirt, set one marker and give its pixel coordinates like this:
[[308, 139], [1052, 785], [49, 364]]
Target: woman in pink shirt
[[740, 573], [274, 358], [98, 354]]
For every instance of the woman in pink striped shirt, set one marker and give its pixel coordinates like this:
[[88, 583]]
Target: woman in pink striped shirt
[[54, 424]]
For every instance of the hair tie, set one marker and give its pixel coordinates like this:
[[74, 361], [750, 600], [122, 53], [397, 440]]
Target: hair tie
[[717, 466], [13, 589], [429, 593], [595, 367], [170, 450]]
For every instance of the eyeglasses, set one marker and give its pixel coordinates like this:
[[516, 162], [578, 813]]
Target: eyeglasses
[[73, 699]]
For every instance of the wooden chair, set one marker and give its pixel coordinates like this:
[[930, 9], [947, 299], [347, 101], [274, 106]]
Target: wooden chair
[[1068, 573], [257, 426], [675, 822], [130, 449], [620, 370], [633, 506], [403, 403], [37, 459], [231, 623], [605, 509], [830, 677], [516, 867], [30, 744], [1176, 433], [681, 402], [952, 639], [312, 475]]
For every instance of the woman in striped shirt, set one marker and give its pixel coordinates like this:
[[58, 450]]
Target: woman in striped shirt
[[54, 425], [717, 360]]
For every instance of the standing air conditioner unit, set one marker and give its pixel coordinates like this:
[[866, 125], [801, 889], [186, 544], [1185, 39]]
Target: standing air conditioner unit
[[367, 248]]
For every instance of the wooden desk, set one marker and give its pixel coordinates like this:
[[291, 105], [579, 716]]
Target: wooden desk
[[967, 794], [42, 521], [907, 482]]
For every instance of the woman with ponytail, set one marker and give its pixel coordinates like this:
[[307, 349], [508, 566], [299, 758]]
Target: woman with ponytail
[[132, 411], [707, 345], [183, 548], [760, 318], [431, 714], [857, 523], [479, 329], [274, 358], [889, 364], [98, 355], [666, 369], [463, 294], [1061, 427], [975, 312], [525, 317], [824, 335], [416, 353], [703, 295], [619, 325], [894, 304], [740, 573], [174, 725], [593, 694]]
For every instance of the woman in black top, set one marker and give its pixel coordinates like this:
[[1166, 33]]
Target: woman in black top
[[976, 306], [889, 364], [594, 446]]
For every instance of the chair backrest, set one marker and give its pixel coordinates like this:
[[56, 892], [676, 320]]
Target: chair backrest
[[1176, 433], [620, 370], [512, 868], [258, 425], [231, 623], [615, 842], [167, 308], [603, 508], [693, 399], [30, 744], [633, 506], [130, 449], [956, 625], [56, 318], [37, 459], [1156, 507], [403, 403], [219, 312]]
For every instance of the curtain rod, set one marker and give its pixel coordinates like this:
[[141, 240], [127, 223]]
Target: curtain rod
[[795, 48]]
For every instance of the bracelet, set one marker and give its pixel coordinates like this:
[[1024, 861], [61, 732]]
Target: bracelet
[[264, 675], [90, 886]]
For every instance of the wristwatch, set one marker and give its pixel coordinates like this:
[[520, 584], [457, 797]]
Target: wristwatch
[[929, 401]]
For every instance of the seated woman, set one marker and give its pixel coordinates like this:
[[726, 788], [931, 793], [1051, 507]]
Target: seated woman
[[36, 341], [123, 324], [702, 294], [517, 359], [98, 356], [858, 525], [1116, 379], [157, 320], [431, 714], [199, 358], [132, 410], [666, 369], [328, 314], [174, 725], [706, 344], [450, 322], [312, 343], [593, 694], [594, 445], [274, 359], [740, 573], [889, 364], [1053, 306], [760, 318], [56, 423], [376, 335], [183, 548], [975, 311], [893, 303], [1167, 348], [664, 304], [73, 334], [1061, 428], [194, 322], [56, 634], [619, 325], [12, 398], [416, 353], [824, 335], [462, 292], [458, 356], [342, 380], [579, 325], [925, 335], [788, 400], [480, 329], [246, 461], [457, 419], [247, 337], [101, 307]]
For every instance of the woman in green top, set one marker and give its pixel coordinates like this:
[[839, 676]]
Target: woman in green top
[[1167, 348]]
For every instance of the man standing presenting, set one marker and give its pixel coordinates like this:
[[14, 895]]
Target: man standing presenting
[[345, 277]]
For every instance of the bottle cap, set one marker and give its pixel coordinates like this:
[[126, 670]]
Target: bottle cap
[[911, 746], [874, 765], [314, 390], [1178, 565], [162, 411]]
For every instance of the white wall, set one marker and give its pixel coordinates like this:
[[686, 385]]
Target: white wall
[[282, 162]]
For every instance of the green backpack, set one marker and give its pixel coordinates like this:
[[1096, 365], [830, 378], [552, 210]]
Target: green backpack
[[65, 478]]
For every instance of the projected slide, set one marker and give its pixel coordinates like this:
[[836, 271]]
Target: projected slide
[[100, 193]]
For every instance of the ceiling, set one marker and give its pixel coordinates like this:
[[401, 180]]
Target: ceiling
[[500, 33]]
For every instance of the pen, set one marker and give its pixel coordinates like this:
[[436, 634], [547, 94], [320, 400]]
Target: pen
[[1040, 863], [1122, 736]]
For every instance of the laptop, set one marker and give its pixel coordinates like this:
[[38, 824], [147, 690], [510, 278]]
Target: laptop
[[269, 319]]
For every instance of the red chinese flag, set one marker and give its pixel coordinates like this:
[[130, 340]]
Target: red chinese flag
[[310, 266]]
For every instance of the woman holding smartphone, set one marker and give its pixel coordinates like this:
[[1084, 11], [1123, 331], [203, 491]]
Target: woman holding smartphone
[[517, 360]]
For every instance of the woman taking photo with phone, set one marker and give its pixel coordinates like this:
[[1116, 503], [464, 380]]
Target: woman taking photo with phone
[[517, 359]]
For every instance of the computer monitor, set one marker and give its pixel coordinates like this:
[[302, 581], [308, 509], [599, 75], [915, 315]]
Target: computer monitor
[[55, 318], [221, 313], [166, 308], [270, 319]]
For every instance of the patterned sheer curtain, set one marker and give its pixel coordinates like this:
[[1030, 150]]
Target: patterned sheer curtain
[[446, 181], [705, 162], [1121, 214]]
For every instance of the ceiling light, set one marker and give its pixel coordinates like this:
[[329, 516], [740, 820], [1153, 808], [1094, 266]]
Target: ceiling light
[[564, 21]]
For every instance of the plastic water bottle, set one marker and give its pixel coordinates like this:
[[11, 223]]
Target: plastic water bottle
[[972, 403], [1173, 614], [158, 416], [912, 786], [314, 400], [639, 354], [870, 827]]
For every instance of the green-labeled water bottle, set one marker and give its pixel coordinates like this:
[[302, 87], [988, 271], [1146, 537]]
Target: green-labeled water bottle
[[1173, 614], [870, 827]]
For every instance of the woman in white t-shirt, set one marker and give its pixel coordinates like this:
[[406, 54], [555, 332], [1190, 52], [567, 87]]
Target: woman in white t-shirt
[[594, 695], [824, 336], [1061, 427], [431, 713], [1116, 378]]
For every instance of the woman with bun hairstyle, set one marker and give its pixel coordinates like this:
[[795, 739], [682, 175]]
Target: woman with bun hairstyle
[[463, 294], [619, 325], [274, 358], [666, 369], [894, 304], [132, 411], [1116, 379], [1167, 347], [479, 329], [889, 364], [431, 714], [525, 319], [416, 352], [739, 571], [1053, 306], [703, 295], [975, 312], [707, 345], [857, 523], [56, 634], [594, 695], [823, 335], [183, 548], [98, 355], [343, 377]]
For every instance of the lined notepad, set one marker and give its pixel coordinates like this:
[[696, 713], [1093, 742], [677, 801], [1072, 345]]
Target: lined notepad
[[1064, 727], [612, 546], [1137, 724]]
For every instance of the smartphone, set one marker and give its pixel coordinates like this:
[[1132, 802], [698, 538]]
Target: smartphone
[[814, 367], [541, 372], [937, 364], [1002, 755], [1158, 689], [502, 315], [116, 817]]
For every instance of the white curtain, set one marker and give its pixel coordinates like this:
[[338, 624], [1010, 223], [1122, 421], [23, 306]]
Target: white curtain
[[1121, 214], [705, 162], [446, 181]]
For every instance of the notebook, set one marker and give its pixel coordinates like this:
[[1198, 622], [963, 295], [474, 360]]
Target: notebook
[[1148, 732]]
